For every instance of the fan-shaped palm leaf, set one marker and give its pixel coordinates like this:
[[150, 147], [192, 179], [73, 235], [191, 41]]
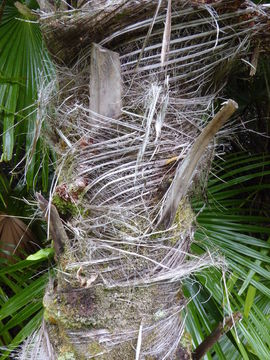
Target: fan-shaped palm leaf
[[237, 227], [21, 293], [24, 67]]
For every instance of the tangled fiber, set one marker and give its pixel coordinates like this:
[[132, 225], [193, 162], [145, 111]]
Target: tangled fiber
[[119, 279]]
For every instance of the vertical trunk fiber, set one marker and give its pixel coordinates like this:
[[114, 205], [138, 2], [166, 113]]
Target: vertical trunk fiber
[[122, 314], [121, 304], [129, 161]]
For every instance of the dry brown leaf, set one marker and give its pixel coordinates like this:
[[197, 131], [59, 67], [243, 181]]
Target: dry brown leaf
[[15, 238]]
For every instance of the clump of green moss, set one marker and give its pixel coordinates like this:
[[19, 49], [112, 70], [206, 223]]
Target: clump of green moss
[[66, 207]]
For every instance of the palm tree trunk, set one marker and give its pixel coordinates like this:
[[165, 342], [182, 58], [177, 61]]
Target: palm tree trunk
[[117, 293], [122, 312]]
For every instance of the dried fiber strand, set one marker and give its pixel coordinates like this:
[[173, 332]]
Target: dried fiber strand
[[116, 172]]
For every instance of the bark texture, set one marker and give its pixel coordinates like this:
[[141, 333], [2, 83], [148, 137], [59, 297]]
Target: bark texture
[[96, 20], [117, 293]]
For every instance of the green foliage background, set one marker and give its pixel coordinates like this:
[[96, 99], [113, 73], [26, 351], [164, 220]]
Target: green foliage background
[[234, 221], [25, 68]]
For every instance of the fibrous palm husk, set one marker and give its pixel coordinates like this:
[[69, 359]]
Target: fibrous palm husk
[[118, 294]]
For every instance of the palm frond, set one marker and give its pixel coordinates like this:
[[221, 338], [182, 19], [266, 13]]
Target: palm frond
[[24, 66], [236, 225], [21, 294]]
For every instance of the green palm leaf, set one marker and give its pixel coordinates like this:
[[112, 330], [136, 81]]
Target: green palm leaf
[[21, 294], [237, 229], [24, 66]]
